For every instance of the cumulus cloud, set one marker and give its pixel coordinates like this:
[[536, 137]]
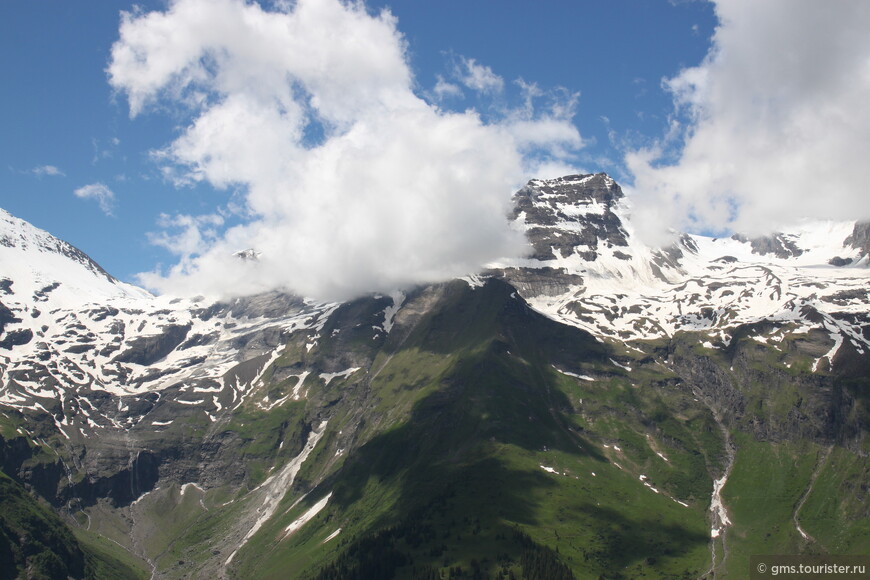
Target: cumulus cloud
[[98, 191], [773, 126], [352, 182]]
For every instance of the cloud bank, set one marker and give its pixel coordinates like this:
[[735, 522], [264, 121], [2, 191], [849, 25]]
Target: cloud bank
[[774, 124], [352, 182]]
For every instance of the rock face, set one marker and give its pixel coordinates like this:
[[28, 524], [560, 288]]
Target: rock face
[[779, 245], [600, 277], [597, 385], [860, 238], [147, 350], [569, 214]]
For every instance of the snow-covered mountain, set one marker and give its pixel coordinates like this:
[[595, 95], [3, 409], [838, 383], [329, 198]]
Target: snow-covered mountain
[[71, 333], [590, 270], [39, 268], [226, 439], [70, 330]]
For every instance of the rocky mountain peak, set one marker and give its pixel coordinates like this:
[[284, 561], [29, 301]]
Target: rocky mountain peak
[[249, 255], [860, 238], [570, 214], [588, 189]]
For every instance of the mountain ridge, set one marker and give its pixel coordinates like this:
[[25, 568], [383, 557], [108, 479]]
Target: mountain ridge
[[599, 385]]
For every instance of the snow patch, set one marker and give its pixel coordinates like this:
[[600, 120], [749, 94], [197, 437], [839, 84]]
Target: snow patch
[[187, 486], [622, 366], [575, 375], [307, 516], [717, 508], [273, 489], [390, 311], [196, 402], [474, 280], [327, 377]]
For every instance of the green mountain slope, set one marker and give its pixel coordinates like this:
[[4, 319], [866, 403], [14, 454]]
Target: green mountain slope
[[475, 439], [484, 455], [36, 544]]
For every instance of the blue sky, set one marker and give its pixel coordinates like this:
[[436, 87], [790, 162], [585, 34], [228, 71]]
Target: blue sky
[[619, 86]]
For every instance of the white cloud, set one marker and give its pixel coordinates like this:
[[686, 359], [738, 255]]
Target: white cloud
[[98, 191], [444, 89], [195, 235], [352, 183], [478, 77], [543, 132], [551, 169], [776, 124], [546, 135], [49, 170]]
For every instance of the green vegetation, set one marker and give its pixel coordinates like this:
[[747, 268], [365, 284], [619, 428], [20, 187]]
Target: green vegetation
[[268, 438], [765, 486], [475, 412], [836, 513], [105, 560], [480, 439], [33, 540]]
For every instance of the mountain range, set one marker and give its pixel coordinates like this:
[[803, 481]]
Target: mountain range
[[597, 409]]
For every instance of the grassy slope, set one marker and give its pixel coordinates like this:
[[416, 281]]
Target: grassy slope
[[33, 540], [767, 485], [785, 472], [461, 417], [35, 543], [460, 470], [836, 512], [107, 560]]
